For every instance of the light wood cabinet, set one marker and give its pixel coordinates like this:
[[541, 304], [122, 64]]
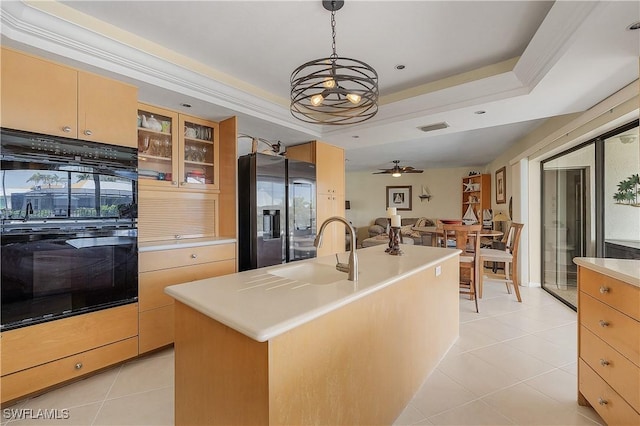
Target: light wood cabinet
[[42, 355], [476, 192], [609, 347], [177, 150], [162, 268], [330, 183], [334, 237], [44, 97], [330, 169]]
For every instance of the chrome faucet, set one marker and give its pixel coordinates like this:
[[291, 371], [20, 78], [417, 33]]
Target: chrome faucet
[[352, 267]]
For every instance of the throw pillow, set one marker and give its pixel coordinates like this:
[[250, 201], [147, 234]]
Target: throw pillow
[[406, 231], [421, 222]]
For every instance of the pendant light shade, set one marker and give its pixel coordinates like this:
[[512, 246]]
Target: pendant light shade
[[334, 90]]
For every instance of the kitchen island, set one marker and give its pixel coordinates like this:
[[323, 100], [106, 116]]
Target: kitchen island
[[300, 344]]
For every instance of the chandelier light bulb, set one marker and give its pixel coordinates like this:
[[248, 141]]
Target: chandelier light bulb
[[329, 83], [317, 99], [354, 98]]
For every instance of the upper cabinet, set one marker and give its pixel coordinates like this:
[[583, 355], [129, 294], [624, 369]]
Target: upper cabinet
[[329, 169], [177, 150], [329, 161], [44, 97]]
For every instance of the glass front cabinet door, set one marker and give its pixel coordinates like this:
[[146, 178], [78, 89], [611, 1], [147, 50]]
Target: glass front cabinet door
[[157, 146], [198, 156], [176, 150]]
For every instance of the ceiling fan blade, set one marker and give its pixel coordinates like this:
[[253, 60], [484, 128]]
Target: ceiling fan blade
[[382, 173], [413, 171]]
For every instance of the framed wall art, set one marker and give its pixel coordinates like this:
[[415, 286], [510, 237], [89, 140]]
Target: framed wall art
[[399, 197], [501, 186]]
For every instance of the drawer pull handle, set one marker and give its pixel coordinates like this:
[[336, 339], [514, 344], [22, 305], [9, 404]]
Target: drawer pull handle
[[88, 132], [602, 401], [603, 323], [604, 362], [604, 289], [194, 256], [178, 237], [66, 129], [78, 365]]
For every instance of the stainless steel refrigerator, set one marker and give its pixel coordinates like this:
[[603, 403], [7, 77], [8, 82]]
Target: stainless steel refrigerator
[[276, 210]]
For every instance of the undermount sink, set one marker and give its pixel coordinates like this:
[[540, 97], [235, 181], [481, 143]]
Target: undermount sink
[[312, 273]]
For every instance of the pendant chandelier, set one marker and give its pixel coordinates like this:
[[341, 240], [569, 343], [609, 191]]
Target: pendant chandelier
[[334, 90]]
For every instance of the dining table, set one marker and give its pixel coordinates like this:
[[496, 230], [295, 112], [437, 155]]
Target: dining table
[[437, 231]]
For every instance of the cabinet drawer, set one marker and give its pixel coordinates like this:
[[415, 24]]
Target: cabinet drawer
[[164, 259], [620, 295], [152, 283], [24, 382], [156, 328], [41, 343], [609, 405], [616, 370], [616, 329]]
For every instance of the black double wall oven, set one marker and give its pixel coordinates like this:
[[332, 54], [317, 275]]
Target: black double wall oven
[[69, 227]]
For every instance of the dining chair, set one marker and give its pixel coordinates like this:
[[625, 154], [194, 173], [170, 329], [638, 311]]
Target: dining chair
[[467, 239], [508, 257]]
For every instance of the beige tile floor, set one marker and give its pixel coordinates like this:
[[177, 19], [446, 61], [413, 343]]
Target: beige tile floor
[[515, 363]]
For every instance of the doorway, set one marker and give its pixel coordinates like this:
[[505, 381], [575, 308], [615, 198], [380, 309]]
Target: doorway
[[567, 194]]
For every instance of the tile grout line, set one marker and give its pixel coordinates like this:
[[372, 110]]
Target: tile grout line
[[105, 395]]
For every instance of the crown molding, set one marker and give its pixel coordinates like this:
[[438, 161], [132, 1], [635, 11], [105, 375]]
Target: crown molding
[[552, 39], [61, 31], [27, 24]]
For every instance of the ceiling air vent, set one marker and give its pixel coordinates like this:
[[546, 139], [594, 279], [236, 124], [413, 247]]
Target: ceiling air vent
[[432, 127]]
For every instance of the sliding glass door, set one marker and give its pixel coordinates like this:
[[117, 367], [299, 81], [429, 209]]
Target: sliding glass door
[[568, 191], [590, 207], [622, 195]]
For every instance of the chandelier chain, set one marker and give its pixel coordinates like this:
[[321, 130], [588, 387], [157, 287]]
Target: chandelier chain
[[334, 55]]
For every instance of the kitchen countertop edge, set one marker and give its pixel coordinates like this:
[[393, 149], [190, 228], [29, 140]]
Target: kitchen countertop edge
[[627, 270], [186, 243]]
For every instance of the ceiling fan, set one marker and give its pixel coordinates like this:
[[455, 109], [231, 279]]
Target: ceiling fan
[[397, 171]]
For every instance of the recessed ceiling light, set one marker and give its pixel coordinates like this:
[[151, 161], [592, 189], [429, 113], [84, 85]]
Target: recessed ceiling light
[[355, 136], [400, 67], [480, 112], [634, 26], [185, 105]]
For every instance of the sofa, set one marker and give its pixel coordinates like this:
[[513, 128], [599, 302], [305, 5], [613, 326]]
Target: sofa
[[406, 223]]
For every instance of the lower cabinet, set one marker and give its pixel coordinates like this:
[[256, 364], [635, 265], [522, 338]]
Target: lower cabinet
[[162, 268], [65, 349], [609, 346]]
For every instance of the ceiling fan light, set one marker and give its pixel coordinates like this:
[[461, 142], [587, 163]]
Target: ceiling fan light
[[317, 99], [354, 98], [396, 174]]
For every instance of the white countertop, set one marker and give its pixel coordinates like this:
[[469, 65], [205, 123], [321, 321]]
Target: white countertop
[[262, 305], [627, 270], [183, 243]]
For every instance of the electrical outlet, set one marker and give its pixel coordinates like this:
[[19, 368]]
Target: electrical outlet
[[438, 270]]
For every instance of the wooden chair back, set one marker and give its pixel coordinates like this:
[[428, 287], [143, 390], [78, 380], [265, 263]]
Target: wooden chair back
[[466, 236], [513, 244]]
